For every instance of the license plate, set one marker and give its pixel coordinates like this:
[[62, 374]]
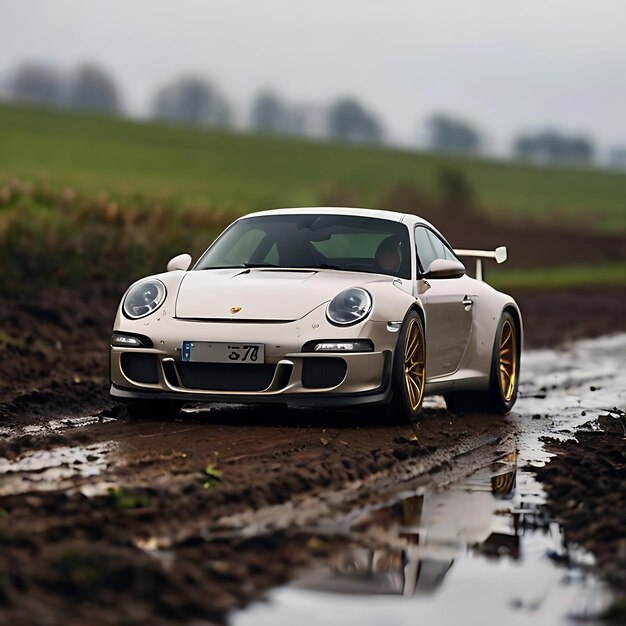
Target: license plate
[[223, 352]]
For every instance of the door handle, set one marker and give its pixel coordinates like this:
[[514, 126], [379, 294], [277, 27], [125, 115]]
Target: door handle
[[467, 302]]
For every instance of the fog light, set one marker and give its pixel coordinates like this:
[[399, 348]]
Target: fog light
[[359, 345], [120, 340]]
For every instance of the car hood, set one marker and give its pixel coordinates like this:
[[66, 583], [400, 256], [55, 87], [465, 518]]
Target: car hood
[[260, 294]]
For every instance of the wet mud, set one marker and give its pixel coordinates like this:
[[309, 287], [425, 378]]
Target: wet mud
[[190, 519], [108, 520], [495, 547], [586, 487]]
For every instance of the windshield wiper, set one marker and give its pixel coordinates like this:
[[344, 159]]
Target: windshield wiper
[[238, 266], [325, 266]]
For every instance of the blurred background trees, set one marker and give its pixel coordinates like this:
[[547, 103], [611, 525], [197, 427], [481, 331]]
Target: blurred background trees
[[193, 101], [449, 134], [271, 115], [554, 148], [617, 157], [349, 121], [89, 88], [36, 83]]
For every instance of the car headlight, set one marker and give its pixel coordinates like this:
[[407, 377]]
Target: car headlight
[[349, 307], [144, 298]]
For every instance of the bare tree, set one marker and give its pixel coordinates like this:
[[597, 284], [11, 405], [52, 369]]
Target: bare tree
[[553, 147], [36, 83], [349, 121], [192, 101], [271, 115], [92, 89], [448, 134]]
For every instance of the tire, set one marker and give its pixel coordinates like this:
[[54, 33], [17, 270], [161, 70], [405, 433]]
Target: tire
[[409, 371], [503, 485], [503, 377], [153, 409]]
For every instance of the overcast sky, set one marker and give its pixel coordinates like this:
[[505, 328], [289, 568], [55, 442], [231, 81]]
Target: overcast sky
[[507, 66]]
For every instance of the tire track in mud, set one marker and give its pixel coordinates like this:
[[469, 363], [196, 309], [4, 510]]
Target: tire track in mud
[[232, 537], [158, 535]]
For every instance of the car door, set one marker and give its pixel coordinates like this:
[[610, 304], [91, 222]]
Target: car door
[[448, 306]]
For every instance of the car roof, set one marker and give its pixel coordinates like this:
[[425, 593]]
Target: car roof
[[393, 216]]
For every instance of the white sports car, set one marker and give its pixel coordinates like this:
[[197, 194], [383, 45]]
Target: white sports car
[[319, 306]]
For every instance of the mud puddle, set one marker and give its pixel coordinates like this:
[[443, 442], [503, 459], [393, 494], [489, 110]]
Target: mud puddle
[[53, 425], [562, 391], [483, 549], [439, 520], [480, 550], [52, 470]]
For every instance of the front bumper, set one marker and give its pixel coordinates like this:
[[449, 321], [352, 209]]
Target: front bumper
[[288, 375], [366, 381]]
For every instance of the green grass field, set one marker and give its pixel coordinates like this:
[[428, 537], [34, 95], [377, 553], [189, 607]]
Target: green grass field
[[183, 167], [130, 177]]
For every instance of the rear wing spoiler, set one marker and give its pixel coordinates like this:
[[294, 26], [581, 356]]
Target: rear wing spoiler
[[499, 254]]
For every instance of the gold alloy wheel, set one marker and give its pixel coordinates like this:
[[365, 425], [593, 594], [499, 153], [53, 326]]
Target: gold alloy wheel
[[414, 354], [508, 360], [503, 484]]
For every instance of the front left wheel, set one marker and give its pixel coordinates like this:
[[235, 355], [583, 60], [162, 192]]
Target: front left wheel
[[409, 370]]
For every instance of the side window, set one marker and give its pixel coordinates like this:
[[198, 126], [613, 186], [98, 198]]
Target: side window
[[430, 247], [424, 246], [438, 246], [442, 250]]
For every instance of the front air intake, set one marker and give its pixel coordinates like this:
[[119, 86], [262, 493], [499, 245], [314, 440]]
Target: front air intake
[[320, 373], [225, 376], [140, 367]]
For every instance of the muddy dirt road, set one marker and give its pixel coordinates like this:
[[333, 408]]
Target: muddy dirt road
[[104, 520]]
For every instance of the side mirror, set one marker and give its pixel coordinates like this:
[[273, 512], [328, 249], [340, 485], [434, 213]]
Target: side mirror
[[180, 262], [445, 268]]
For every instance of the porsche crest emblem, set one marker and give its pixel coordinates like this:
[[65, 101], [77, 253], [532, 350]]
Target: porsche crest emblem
[[235, 309]]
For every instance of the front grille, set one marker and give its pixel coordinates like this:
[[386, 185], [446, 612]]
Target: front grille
[[226, 376], [140, 367], [318, 373]]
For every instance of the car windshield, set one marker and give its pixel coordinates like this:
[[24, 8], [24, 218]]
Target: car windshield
[[340, 242]]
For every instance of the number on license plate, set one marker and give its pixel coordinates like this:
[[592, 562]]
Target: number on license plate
[[223, 352]]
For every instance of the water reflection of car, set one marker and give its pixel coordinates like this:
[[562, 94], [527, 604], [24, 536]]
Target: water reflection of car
[[336, 307], [417, 540]]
